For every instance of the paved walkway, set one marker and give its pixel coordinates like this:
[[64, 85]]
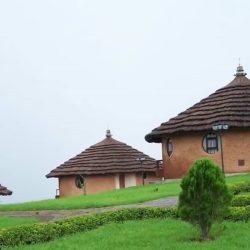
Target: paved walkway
[[51, 215]]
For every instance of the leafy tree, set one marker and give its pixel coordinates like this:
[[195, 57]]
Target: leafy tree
[[204, 197]]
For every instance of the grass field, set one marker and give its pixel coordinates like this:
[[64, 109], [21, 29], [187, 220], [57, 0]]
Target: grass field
[[7, 222], [153, 234], [117, 197]]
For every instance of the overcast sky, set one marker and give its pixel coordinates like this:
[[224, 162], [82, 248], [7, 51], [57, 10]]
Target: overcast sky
[[71, 69]]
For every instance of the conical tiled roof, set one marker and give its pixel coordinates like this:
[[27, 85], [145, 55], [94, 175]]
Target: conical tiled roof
[[4, 191], [107, 156], [229, 105]]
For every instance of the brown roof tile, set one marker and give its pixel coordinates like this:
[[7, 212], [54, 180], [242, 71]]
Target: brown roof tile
[[4, 191], [229, 105], [107, 156]]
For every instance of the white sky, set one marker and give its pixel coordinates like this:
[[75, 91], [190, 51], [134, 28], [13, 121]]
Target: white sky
[[70, 69]]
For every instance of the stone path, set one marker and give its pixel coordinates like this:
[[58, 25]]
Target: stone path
[[51, 215]]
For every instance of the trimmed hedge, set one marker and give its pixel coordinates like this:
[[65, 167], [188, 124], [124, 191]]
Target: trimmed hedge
[[241, 200], [239, 214], [240, 187], [43, 232]]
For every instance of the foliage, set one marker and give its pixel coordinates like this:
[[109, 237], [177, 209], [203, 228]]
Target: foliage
[[238, 214], [150, 235], [43, 232], [204, 197], [240, 187], [241, 200]]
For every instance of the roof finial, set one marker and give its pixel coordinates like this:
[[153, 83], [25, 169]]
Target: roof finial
[[108, 134], [240, 70]]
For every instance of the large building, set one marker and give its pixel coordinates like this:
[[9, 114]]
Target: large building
[[105, 166], [4, 191], [218, 127]]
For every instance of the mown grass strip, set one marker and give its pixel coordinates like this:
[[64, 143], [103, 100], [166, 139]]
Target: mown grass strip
[[8, 222]]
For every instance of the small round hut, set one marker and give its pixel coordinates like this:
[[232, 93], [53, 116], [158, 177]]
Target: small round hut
[[218, 127], [4, 191], [105, 166]]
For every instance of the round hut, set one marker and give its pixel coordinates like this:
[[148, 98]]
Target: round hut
[[218, 127], [105, 166], [4, 191]]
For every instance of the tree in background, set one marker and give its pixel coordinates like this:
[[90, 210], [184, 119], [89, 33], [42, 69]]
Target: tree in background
[[204, 197]]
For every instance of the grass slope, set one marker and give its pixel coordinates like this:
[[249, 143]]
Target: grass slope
[[152, 234], [7, 222], [117, 197]]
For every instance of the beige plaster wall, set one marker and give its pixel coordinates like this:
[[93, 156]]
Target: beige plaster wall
[[100, 183], [130, 180]]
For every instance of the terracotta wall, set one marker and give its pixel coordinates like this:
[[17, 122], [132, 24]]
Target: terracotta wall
[[93, 184], [100, 183], [188, 148], [67, 187]]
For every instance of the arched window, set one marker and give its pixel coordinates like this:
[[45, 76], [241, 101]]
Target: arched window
[[169, 146], [79, 181], [210, 143]]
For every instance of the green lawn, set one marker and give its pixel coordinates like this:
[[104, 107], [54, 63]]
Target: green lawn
[[237, 178], [117, 197], [7, 222], [152, 234]]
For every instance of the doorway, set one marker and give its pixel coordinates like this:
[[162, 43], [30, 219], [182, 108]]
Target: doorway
[[122, 180]]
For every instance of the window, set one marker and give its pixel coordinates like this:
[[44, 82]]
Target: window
[[79, 181], [169, 147], [210, 143], [241, 163]]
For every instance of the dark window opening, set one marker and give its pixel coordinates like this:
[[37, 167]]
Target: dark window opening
[[210, 143], [79, 181], [144, 175], [241, 163], [169, 147]]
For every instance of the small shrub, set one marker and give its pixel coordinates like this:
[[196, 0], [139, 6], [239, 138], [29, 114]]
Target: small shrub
[[204, 197]]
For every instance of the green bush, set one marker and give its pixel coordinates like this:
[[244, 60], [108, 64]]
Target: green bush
[[204, 197], [241, 200], [42, 232], [240, 187], [238, 214]]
